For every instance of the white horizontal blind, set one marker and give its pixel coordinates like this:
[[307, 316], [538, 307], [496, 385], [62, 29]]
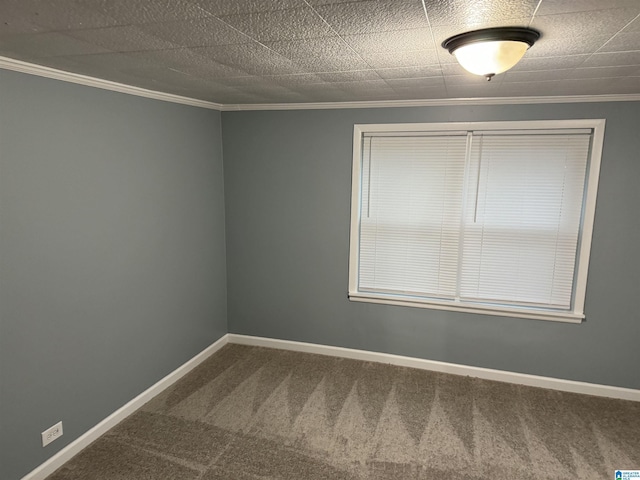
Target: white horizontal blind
[[522, 220], [411, 204]]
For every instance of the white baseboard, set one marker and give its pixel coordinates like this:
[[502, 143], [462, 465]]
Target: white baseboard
[[444, 367], [57, 460]]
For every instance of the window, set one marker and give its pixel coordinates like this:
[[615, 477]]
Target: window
[[491, 217]]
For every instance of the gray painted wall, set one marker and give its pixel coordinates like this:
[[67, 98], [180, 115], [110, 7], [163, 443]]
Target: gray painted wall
[[288, 180], [112, 255]]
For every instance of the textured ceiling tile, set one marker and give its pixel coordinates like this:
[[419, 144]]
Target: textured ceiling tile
[[552, 7], [353, 76], [128, 12], [583, 24], [538, 76], [47, 44], [633, 26], [197, 32], [386, 50], [55, 15], [362, 86], [121, 39], [410, 72], [373, 16], [472, 12], [622, 42], [549, 63], [291, 24], [633, 83], [417, 58], [595, 86], [114, 61], [613, 59], [190, 61], [469, 79], [317, 88], [313, 47], [412, 39], [295, 80], [243, 81], [233, 7], [416, 82], [605, 72], [552, 47], [14, 20], [453, 69], [252, 58], [331, 64]]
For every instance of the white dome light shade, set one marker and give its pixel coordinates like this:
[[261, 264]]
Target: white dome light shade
[[490, 58], [491, 51]]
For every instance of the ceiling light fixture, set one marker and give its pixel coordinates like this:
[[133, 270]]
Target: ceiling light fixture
[[491, 51]]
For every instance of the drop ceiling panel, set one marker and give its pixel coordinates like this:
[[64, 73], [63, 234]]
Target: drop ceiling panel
[[410, 72], [528, 64], [585, 24], [473, 12], [126, 38], [128, 12], [226, 7], [552, 7], [55, 15], [318, 64], [373, 16], [414, 58], [292, 24], [196, 32], [613, 59], [393, 41], [549, 47], [261, 51], [415, 83], [350, 76], [48, 44], [326, 47], [622, 42], [252, 58]]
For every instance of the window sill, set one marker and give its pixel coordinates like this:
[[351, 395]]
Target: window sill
[[529, 313]]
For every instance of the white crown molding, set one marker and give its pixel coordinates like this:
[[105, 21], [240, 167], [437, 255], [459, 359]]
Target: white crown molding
[[57, 460], [443, 367], [434, 102], [41, 71]]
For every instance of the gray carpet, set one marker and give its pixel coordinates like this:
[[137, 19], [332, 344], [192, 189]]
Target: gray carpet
[[256, 413]]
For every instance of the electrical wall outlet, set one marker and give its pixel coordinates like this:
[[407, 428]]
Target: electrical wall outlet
[[51, 434]]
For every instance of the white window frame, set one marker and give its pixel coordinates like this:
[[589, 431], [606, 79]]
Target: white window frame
[[576, 314]]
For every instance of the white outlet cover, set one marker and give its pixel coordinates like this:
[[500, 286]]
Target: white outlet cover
[[51, 434]]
